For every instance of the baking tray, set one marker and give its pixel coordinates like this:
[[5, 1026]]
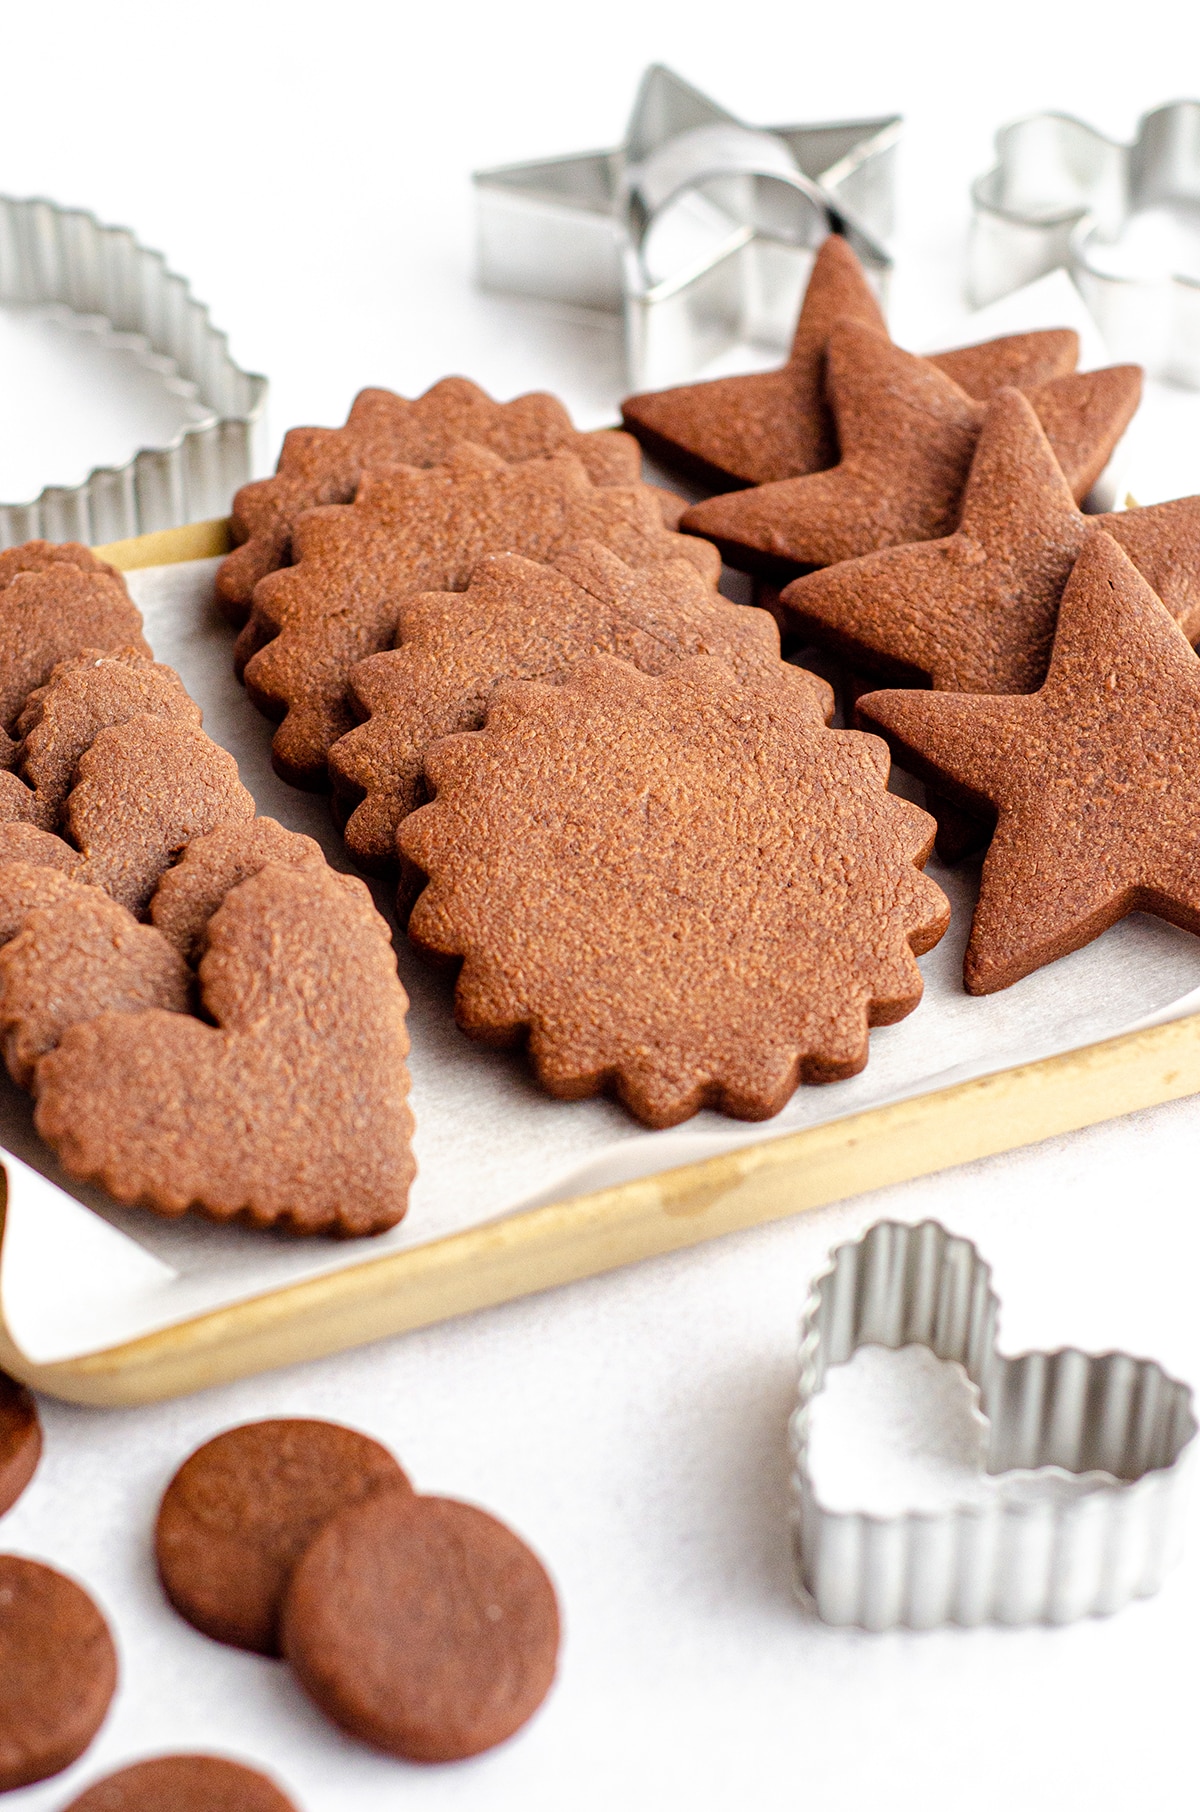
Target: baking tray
[[536, 1248]]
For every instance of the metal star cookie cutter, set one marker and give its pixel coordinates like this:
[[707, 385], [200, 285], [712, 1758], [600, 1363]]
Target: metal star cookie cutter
[[1093, 1447], [698, 229], [65, 260], [1123, 219]]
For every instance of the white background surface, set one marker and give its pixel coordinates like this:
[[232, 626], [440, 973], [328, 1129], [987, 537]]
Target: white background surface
[[307, 168]]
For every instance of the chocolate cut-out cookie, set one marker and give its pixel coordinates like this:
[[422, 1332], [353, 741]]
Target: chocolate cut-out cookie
[[419, 530], [78, 955], [24, 842], [292, 1108], [58, 1667], [46, 556], [62, 719], [521, 620], [189, 893], [184, 1783], [325, 465], [145, 788], [26, 885], [975, 611], [423, 1626], [769, 425], [241, 1511], [20, 1441], [1096, 777], [48, 613], [681, 888], [907, 435], [18, 804]]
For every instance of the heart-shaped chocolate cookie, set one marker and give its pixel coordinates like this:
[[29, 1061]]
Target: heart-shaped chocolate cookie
[[1091, 1447]]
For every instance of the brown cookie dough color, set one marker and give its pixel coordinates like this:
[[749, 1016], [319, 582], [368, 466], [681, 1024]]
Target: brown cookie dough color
[[184, 1783], [1093, 777], [20, 1440], [521, 620], [190, 892], [771, 425], [975, 611], [412, 530], [240, 1512], [291, 1107], [684, 889], [49, 611], [907, 434], [76, 956], [325, 465], [63, 718], [58, 1671], [423, 1626]]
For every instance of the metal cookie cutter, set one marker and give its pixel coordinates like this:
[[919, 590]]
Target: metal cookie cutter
[[1093, 1446], [65, 259], [699, 229], [1124, 220]]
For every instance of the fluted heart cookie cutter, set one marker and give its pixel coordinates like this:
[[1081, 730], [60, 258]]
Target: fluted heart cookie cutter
[[1124, 219], [698, 228], [1093, 1448], [66, 260]]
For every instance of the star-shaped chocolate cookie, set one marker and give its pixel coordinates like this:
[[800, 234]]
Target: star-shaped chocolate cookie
[[975, 611], [907, 434], [770, 425], [1095, 778]]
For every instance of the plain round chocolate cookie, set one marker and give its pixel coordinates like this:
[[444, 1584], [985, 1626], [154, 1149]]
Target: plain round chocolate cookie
[[422, 1626], [20, 1440], [58, 1671], [240, 1512], [183, 1783]]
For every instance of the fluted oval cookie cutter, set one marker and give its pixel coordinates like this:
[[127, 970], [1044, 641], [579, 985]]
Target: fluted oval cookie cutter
[[67, 259], [1093, 1448], [1123, 219]]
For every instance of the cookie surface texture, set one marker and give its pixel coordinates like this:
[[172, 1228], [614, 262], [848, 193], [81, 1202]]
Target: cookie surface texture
[[1094, 777], [189, 893], [20, 1440], [291, 1108], [63, 718], [145, 788], [49, 612], [767, 426], [681, 889], [423, 1626], [77, 954], [410, 531], [907, 435], [521, 620], [240, 1512], [325, 465], [975, 612], [39, 848], [58, 1667], [184, 1783]]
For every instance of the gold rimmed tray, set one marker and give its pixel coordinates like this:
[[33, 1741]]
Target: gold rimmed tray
[[536, 1248]]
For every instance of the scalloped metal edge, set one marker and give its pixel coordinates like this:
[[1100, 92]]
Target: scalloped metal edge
[[1093, 1448], [107, 280], [1079, 187]]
